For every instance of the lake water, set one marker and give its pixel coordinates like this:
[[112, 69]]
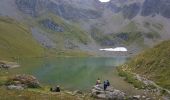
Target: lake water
[[73, 73]]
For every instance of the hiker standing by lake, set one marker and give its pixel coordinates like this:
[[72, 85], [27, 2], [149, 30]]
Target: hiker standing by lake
[[105, 85], [98, 81], [108, 83]]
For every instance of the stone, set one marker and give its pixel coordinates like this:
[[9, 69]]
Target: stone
[[50, 24], [12, 87], [110, 93], [136, 97], [24, 81], [77, 92]]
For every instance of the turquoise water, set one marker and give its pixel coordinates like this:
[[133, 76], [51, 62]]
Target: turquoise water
[[71, 73]]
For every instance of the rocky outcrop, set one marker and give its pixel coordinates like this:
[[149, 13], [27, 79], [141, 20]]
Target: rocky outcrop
[[72, 13], [131, 10], [59, 7], [110, 93], [153, 7], [27, 6], [24, 81], [49, 24]]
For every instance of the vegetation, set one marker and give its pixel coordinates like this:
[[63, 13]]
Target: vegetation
[[40, 93], [16, 40], [37, 94], [130, 78], [153, 64]]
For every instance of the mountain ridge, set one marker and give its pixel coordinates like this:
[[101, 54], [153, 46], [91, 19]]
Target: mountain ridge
[[106, 20]]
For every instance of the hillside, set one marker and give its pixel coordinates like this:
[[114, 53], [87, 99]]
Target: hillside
[[153, 64], [17, 41]]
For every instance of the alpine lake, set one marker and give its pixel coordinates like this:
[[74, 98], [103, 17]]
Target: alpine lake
[[75, 73]]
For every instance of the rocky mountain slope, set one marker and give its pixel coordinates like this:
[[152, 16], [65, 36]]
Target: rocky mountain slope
[[153, 64], [88, 25]]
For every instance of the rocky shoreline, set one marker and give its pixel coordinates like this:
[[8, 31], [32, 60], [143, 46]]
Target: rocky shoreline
[[142, 83], [113, 94]]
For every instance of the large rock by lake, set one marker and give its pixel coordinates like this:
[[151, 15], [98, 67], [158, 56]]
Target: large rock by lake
[[25, 81], [109, 94]]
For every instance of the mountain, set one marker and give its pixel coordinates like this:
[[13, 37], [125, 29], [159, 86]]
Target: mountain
[[16, 41], [88, 25], [153, 64]]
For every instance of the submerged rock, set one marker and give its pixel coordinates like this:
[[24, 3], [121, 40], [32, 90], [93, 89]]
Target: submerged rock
[[109, 94]]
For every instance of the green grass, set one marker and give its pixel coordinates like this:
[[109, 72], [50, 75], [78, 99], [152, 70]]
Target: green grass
[[16, 40], [37, 94], [130, 78], [153, 64]]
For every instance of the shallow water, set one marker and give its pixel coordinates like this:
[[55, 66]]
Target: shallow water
[[74, 73]]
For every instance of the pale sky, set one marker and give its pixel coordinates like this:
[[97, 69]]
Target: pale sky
[[104, 0]]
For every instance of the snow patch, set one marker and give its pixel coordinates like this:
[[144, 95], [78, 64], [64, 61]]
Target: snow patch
[[117, 49]]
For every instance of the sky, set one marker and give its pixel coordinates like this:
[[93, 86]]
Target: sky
[[104, 0]]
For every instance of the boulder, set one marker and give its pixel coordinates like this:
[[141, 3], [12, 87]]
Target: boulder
[[24, 81], [77, 92], [136, 97], [11, 87], [109, 94]]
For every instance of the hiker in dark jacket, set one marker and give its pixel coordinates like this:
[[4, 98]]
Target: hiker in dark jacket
[[57, 89], [108, 83], [105, 85]]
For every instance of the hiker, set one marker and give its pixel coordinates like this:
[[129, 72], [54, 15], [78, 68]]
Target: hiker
[[51, 89], [105, 85], [98, 81], [108, 83], [57, 88]]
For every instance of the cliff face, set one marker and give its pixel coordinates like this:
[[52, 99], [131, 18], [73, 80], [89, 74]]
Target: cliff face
[[73, 9], [154, 7]]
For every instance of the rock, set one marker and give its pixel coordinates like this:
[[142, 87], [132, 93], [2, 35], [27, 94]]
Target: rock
[[136, 97], [4, 65], [143, 97], [77, 92], [50, 24], [131, 10], [24, 81], [110, 93], [148, 98], [11, 87]]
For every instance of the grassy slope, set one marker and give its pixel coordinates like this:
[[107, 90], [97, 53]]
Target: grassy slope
[[153, 64], [15, 40]]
